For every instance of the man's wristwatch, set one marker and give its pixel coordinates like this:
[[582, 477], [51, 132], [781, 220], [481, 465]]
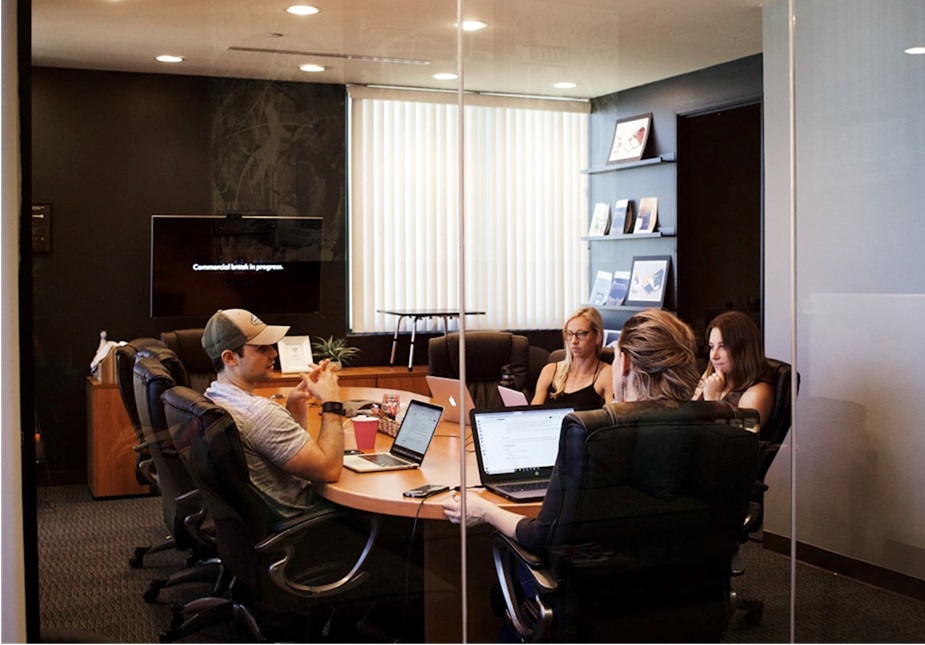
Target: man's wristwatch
[[334, 407]]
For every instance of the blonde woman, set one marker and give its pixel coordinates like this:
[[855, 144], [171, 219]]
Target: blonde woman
[[581, 379]]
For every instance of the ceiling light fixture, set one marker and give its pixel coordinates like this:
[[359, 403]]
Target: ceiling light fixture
[[309, 67], [445, 76], [915, 50], [304, 54], [303, 10], [169, 58], [473, 25], [565, 85]]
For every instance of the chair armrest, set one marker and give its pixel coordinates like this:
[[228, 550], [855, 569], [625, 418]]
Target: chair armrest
[[533, 625], [290, 532], [195, 520]]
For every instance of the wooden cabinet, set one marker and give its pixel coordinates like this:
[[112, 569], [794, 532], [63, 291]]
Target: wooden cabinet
[[111, 437]]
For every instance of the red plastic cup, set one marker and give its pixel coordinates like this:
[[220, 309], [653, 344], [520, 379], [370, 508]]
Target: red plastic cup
[[364, 429]]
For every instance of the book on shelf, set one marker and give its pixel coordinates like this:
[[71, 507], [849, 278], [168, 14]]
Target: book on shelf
[[647, 216], [622, 220], [619, 285], [600, 288], [600, 219]]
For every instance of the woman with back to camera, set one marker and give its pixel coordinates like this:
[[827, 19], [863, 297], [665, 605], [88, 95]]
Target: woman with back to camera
[[581, 379], [655, 361], [738, 372]]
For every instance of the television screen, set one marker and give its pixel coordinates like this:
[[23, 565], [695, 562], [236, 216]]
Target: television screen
[[265, 264]]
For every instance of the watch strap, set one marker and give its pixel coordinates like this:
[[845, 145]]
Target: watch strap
[[333, 407]]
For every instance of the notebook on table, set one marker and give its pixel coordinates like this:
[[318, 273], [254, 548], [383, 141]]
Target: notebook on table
[[512, 397], [516, 448], [445, 391], [410, 445]]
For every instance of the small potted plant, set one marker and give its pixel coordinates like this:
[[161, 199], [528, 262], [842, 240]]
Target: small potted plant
[[335, 349]]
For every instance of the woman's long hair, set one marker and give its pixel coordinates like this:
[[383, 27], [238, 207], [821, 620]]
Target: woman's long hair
[[660, 349], [743, 342]]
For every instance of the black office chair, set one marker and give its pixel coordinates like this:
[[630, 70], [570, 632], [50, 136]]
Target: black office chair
[[493, 358], [557, 355], [187, 345], [274, 573], [771, 437], [183, 512], [125, 364], [643, 518]]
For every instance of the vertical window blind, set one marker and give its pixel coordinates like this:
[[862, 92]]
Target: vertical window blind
[[525, 208]]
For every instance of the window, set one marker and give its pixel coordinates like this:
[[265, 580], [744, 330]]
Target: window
[[525, 205]]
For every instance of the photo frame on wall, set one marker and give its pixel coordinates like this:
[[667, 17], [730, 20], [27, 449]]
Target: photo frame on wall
[[629, 138], [648, 281]]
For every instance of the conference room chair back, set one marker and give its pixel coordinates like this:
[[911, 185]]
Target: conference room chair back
[[125, 364], [493, 358], [643, 518], [187, 345]]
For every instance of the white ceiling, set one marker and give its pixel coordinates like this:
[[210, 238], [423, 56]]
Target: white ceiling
[[602, 45]]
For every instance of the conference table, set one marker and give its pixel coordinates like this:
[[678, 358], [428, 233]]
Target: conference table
[[381, 493]]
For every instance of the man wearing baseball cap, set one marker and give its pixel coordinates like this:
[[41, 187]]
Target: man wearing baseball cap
[[281, 456]]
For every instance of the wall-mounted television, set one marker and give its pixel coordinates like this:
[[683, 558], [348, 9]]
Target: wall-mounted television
[[267, 264]]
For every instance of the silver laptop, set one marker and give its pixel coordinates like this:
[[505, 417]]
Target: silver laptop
[[512, 397], [445, 391], [517, 447], [410, 445]]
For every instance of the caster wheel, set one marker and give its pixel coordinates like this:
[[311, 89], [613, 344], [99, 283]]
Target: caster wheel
[[754, 614], [136, 561]]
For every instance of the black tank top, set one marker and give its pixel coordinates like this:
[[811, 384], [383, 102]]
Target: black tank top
[[586, 398]]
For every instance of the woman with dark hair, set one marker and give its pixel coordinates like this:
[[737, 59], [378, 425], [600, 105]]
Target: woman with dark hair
[[738, 372]]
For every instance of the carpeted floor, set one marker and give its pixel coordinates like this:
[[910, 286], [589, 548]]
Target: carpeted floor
[[88, 592]]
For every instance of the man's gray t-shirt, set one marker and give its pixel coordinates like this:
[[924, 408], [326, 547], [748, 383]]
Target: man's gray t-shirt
[[271, 437]]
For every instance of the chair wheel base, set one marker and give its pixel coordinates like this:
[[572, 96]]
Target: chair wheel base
[[754, 612], [137, 559]]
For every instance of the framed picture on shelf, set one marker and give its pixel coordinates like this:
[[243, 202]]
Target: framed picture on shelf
[[295, 354], [611, 336], [648, 281], [629, 138], [648, 215]]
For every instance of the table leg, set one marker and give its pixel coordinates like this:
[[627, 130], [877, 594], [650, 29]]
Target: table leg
[[395, 340], [414, 328]]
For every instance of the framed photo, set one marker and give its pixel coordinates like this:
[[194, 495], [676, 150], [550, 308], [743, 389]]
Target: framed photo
[[611, 336], [648, 281], [630, 138], [295, 354]]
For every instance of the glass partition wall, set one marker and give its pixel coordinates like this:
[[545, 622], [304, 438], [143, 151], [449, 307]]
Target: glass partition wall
[[842, 132]]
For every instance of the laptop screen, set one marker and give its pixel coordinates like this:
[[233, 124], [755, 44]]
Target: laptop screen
[[517, 439], [416, 430]]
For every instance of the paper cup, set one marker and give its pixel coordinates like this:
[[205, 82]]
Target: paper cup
[[364, 429]]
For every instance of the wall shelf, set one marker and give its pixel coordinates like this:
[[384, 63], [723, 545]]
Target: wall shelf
[[668, 157], [628, 236]]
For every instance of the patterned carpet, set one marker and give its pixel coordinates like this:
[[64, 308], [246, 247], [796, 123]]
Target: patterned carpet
[[88, 592]]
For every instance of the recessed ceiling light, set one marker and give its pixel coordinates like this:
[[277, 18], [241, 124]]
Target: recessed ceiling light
[[445, 76], [169, 58], [915, 50], [303, 10], [308, 67], [565, 85], [473, 25]]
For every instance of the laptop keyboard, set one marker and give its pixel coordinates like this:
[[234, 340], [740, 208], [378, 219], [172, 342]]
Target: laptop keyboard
[[518, 488], [383, 459]]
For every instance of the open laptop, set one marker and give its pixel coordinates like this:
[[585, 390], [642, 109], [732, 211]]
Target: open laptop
[[512, 397], [445, 391], [516, 448], [414, 435]]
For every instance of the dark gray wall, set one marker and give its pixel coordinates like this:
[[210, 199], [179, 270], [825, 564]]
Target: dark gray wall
[[722, 85], [110, 149]]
